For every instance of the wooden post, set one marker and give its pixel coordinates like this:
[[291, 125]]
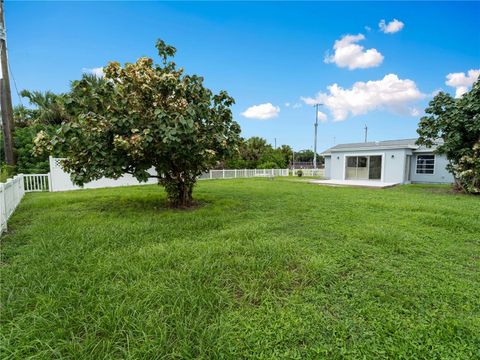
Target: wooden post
[[5, 94]]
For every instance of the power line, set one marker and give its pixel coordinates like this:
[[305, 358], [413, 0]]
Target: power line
[[10, 68], [15, 84]]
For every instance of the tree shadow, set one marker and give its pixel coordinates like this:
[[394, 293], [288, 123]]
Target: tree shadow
[[139, 205]]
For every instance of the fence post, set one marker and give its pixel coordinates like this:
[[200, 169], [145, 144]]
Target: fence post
[[51, 164], [22, 185], [223, 173], [210, 174], [235, 173], [3, 212], [50, 182]]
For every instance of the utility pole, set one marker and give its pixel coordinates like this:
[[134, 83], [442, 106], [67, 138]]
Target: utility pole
[[5, 94], [366, 132], [293, 162], [315, 141], [275, 143]]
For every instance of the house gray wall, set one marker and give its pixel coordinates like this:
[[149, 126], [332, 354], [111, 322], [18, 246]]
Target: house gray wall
[[393, 167], [440, 175], [328, 166]]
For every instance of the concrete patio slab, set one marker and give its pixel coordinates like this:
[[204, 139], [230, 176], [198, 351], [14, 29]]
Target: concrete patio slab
[[359, 183]]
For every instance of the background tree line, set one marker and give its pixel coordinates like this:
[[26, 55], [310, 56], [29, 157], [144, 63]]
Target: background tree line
[[47, 111], [455, 121], [257, 153]]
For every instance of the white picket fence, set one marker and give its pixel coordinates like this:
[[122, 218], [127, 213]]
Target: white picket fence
[[242, 173], [59, 180], [14, 189], [36, 182], [309, 172], [11, 193]]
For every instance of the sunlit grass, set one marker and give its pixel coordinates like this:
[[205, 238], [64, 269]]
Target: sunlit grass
[[260, 269]]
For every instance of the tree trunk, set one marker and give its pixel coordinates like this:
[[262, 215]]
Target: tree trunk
[[179, 191], [184, 196]]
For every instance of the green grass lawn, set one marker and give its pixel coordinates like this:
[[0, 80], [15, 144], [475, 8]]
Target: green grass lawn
[[262, 269]]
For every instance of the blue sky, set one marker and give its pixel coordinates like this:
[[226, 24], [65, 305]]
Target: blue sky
[[268, 54]]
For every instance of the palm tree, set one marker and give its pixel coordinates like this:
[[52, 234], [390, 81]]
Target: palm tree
[[49, 107], [22, 116]]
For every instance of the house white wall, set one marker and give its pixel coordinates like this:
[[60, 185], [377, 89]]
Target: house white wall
[[394, 166], [328, 166], [440, 174], [393, 163]]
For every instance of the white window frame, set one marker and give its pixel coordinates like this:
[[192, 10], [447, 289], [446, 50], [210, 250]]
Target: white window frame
[[363, 154], [416, 164]]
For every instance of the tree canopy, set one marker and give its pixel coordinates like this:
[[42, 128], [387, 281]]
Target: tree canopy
[[457, 123], [257, 153], [145, 117], [48, 109]]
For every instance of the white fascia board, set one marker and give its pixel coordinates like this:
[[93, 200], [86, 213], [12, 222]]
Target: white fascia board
[[376, 148], [431, 151]]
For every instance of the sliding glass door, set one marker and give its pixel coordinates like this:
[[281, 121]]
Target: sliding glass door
[[357, 168], [363, 167]]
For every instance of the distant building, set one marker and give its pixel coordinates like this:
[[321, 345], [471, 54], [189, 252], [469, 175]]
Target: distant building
[[392, 161]]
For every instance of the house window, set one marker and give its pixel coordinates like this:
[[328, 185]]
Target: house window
[[425, 164]]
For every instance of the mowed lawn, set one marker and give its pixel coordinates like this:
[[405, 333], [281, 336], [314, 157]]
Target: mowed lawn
[[261, 269]]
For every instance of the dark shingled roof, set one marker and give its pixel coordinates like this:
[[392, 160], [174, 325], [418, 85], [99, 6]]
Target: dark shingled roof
[[392, 144]]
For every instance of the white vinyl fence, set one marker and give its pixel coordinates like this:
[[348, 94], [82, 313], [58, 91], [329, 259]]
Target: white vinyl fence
[[60, 180], [242, 173], [11, 193], [14, 189], [36, 182], [310, 172]]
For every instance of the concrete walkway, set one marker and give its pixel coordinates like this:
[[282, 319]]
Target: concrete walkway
[[361, 183]]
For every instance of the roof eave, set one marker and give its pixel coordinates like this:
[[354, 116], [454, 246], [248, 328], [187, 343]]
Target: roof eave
[[410, 147]]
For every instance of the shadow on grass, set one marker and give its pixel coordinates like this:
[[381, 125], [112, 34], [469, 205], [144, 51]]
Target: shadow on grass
[[138, 205], [440, 189]]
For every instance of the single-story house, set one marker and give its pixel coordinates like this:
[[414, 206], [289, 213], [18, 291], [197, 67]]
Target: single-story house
[[392, 161]]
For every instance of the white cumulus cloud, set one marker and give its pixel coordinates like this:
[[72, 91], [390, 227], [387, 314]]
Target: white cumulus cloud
[[390, 93], [461, 81], [415, 112], [347, 53], [262, 111], [392, 27], [98, 72]]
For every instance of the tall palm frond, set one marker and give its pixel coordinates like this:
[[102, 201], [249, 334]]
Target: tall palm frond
[[49, 108]]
